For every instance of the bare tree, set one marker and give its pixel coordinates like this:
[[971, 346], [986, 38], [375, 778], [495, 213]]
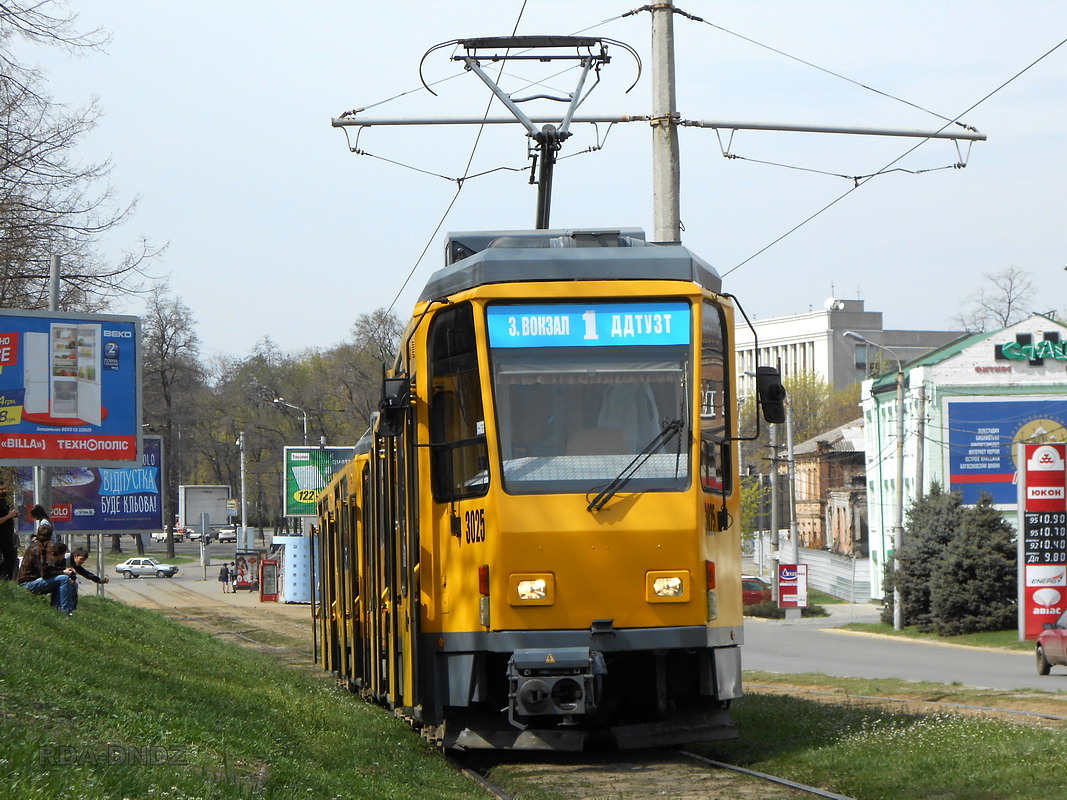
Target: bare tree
[[1000, 302], [172, 381], [50, 202]]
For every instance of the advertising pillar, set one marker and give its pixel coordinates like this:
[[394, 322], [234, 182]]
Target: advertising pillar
[[792, 586]]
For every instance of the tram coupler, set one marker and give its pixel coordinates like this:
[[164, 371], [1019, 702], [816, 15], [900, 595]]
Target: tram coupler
[[563, 682]]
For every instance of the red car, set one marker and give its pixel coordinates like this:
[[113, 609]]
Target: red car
[[754, 590], [1052, 645]]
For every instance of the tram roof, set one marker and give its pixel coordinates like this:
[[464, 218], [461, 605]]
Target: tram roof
[[478, 258]]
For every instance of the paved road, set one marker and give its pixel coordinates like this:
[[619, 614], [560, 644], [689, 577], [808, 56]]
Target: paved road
[[815, 646]]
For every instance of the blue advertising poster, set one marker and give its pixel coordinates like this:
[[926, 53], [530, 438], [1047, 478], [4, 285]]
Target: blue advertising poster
[[69, 389], [589, 324], [982, 438], [103, 500]]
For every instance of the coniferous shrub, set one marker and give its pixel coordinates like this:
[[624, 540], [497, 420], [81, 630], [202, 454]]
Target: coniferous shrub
[[931, 523], [973, 583]]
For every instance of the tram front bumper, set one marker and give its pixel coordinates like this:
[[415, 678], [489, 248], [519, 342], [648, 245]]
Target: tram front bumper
[[563, 682]]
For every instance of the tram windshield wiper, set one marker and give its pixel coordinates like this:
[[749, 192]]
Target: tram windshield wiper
[[671, 428]]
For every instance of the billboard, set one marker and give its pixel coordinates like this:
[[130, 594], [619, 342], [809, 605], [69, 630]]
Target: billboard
[[982, 439], [70, 389], [307, 472], [104, 500], [1043, 540]]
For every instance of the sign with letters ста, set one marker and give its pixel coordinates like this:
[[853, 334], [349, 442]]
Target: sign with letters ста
[[69, 389], [599, 324]]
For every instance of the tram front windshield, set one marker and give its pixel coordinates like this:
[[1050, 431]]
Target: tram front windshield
[[573, 417]]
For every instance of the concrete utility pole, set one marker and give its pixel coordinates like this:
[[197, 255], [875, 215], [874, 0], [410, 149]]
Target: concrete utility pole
[[898, 511], [664, 119], [245, 543], [42, 476], [666, 170], [775, 523], [793, 553]]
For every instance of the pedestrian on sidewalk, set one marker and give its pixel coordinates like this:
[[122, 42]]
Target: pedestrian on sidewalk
[[224, 578]]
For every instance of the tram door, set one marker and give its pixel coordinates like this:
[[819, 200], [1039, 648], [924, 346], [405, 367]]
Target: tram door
[[366, 586]]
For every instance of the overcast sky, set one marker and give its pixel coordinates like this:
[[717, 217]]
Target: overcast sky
[[217, 114]]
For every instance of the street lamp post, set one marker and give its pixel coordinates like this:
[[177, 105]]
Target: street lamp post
[[281, 401], [246, 544], [898, 515]]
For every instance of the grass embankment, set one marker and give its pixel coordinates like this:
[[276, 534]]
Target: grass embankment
[[120, 702], [1000, 640]]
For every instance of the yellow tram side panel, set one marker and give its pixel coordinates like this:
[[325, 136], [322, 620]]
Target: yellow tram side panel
[[340, 527], [618, 536]]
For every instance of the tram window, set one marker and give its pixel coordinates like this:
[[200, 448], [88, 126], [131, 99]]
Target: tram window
[[459, 461], [714, 469], [570, 419]]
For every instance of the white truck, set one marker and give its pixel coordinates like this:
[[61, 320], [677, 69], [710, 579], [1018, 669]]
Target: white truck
[[194, 501]]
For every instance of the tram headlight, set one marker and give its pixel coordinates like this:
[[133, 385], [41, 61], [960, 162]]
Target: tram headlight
[[536, 589], [667, 586], [532, 589]]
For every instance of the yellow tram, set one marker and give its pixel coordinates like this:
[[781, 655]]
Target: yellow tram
[[537, 544]]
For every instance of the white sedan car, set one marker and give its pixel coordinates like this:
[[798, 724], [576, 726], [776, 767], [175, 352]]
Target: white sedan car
[[136, 567]]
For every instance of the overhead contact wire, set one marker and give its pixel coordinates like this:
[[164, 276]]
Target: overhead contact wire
[[905, 154]]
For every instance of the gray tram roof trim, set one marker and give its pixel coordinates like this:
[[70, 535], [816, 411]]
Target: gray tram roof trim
[[484, 257]]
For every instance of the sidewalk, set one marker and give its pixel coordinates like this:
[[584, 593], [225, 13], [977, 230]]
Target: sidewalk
[[189, 590]]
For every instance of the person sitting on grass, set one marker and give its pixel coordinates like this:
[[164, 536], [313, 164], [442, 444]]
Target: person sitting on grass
[[40, 575], [75, 558]]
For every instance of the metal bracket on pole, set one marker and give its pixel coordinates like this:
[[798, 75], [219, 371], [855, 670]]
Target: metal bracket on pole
[[590, 53]]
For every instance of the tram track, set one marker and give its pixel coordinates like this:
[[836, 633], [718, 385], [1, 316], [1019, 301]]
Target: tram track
[[664, 774]]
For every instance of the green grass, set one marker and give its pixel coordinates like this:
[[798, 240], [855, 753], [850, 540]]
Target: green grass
[[815, 597], [872, 753], [213, 720], [1002, 640], [86, 701]]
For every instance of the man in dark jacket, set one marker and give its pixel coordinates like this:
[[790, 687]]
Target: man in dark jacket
[[40, 575], [9, 556], [75, 558]]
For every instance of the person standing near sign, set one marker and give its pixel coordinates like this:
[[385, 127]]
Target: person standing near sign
[[224, 578], [9, 556]]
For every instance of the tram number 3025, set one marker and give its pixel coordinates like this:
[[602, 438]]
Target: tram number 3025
[[474, 525]]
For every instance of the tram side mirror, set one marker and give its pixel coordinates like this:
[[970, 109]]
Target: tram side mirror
[[393, 405], [771, 394]]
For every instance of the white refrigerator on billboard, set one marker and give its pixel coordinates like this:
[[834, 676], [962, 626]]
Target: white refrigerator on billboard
[[62, 373]]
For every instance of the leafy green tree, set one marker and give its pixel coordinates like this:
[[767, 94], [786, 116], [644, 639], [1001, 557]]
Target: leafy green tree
[[973, 584], [932, 522]]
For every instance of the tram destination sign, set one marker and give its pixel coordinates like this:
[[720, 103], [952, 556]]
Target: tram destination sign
[[589, 325], [1043, 544]]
